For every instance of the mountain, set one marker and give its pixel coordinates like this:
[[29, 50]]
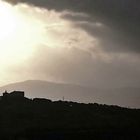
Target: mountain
[[51, 90], [126, 97]]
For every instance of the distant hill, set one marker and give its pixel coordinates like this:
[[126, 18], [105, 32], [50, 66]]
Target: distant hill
[[42, 119], [127, 97]]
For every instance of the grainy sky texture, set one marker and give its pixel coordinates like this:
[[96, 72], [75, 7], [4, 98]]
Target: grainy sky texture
[[86, 42]]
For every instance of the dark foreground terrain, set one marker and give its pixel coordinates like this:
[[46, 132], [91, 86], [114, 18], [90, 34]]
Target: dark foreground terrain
[[42, 119]]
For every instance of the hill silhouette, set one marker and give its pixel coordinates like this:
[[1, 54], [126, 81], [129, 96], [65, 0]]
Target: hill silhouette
[[42, 119], [126, 97]]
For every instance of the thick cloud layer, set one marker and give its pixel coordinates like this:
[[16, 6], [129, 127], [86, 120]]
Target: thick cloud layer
[[88, 42], [121, 17]]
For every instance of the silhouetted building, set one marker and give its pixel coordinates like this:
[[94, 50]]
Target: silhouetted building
[[13, 95]]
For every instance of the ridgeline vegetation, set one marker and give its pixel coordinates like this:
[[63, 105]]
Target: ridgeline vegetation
[[42, 119]]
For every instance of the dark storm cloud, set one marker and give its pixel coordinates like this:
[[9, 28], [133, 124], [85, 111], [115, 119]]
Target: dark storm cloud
[[121, 16], [89, 43]]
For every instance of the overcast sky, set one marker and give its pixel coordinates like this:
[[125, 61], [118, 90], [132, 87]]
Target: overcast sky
[[88, 42]]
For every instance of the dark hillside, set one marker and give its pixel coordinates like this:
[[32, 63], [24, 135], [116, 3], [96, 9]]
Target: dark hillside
[[42, 119]]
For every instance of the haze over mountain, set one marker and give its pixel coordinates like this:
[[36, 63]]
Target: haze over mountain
[[86, 42], [88, 49], [127, 97]]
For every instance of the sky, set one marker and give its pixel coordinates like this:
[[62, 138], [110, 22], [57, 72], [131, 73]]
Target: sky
[[86, 42]]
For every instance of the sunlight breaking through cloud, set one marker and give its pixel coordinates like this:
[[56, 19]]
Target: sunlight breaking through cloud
[[65, 45]]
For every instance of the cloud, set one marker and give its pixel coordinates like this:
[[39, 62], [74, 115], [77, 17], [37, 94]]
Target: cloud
[[87, 43], [77, 66], [121, 18]]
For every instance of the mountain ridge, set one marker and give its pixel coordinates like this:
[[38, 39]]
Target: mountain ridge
[[126, 97]]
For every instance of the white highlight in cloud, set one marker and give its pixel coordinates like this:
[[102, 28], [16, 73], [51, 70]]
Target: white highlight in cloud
[[49, 47], [35, 27]]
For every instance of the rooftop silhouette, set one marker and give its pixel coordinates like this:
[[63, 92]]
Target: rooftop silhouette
[[40, 118]]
